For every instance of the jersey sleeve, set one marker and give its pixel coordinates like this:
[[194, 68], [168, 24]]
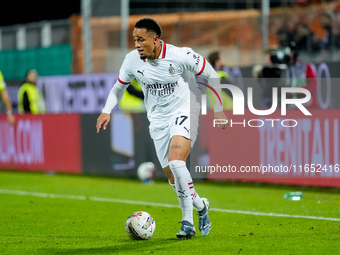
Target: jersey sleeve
[[197, 64], [125, 74], [193, 61]]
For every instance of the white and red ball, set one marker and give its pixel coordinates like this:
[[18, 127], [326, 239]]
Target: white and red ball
[[140, 226]]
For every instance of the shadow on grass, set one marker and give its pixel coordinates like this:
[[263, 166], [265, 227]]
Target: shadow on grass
[[124, 247]]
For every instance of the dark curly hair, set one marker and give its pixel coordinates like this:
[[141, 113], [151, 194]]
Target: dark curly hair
[[150, 25]]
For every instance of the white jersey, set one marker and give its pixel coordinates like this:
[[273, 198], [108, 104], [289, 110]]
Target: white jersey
[[164, 81]]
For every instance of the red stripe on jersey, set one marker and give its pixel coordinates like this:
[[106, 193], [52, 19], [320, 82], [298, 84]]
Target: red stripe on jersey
[[190, 183], [202, 67], [191, 187], [123, 82], [164, 48]]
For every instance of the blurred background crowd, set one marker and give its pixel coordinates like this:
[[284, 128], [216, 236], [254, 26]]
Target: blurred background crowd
[[233, 27]]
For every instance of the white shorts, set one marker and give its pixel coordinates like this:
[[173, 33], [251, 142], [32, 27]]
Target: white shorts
[[183, 124]]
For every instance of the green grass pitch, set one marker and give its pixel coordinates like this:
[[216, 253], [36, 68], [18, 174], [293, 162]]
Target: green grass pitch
[[65, 216]]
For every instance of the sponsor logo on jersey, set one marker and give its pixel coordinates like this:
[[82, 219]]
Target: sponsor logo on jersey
[[161, 89]]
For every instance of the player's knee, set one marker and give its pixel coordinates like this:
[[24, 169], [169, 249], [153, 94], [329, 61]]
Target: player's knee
[[177, 156]]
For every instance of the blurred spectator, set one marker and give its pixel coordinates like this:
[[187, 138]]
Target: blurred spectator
[[326, 24], [301, 36], [5, 98], [270, 75], [217, 63], [29, 98], [336, 33], [320, 34], [305, 38], [286, 69], [216, 60], [283, 37], [336, 25], [132, 101], [302, 75], [285, 33]]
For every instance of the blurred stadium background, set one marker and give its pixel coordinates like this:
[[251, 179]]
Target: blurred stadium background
[[78, 60]]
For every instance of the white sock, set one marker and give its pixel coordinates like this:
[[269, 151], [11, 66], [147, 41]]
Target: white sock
[[182, 181], [197, 201]]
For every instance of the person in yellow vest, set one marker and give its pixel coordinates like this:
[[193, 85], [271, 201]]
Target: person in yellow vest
[[132, 101], [217, 63], [29, 98], [6, 99]]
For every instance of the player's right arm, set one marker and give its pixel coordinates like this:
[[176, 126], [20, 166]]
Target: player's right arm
[[115, 95]]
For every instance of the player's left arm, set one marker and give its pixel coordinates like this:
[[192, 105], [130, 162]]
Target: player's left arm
[[210, 74], [198, 65]]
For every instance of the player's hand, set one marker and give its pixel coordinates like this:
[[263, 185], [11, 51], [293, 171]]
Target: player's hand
[[11, 119], [102, 121], [221, 115]]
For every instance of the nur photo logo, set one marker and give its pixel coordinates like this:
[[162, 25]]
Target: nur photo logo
[[239, 104]]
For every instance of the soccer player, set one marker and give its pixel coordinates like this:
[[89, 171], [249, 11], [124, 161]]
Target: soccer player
[[5, 98], [164, 72]]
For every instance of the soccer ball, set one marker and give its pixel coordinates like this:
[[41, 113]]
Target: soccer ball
[[140, 226], [146, 171]]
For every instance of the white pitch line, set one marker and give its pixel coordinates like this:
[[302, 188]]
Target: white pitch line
[[132, 202]]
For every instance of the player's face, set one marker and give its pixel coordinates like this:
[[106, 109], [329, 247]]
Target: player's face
[[145, 43]]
